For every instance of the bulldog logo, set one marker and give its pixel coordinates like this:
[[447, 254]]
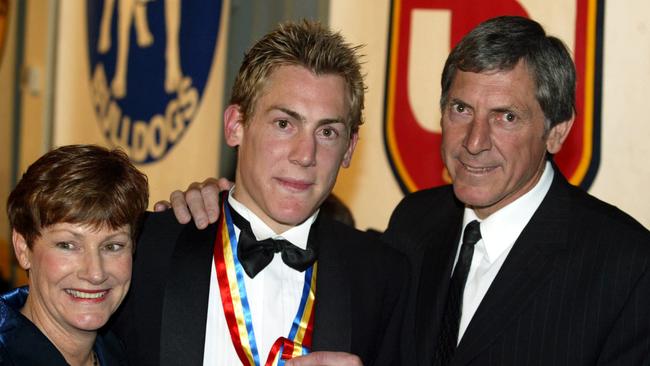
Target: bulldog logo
[[422, 34], [150, 61]]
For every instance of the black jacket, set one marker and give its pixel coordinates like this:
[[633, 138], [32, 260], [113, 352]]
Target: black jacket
[[574, 290]]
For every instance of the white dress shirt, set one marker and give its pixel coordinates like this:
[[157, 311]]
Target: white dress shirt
[[499, 231], [273, 295]]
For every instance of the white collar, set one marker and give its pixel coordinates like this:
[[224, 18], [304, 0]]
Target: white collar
[[297, 235], [500, 230]]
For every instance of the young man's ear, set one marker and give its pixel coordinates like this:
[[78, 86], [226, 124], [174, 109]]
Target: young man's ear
[[558, 134], [23, 253], [347, 157], [233, 125]]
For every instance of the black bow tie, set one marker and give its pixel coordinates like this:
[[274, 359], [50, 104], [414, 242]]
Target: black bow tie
[[254, 255]]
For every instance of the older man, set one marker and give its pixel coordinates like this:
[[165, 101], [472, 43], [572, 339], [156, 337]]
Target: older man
[[515, 265]]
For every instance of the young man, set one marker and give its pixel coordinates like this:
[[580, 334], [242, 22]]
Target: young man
[[511, 264], [220, 297]]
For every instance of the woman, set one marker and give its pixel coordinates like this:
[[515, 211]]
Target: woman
[[74, 216]]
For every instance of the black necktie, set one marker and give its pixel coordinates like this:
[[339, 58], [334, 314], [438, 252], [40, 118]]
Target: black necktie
[[254, 255], [448, 337]]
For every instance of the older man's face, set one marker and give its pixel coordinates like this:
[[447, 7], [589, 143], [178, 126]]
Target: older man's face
[[493, 138]]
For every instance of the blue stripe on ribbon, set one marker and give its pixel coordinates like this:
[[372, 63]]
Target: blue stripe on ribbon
[[239, 270]]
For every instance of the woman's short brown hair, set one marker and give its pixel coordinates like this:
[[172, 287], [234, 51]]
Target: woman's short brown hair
[[79, 184]]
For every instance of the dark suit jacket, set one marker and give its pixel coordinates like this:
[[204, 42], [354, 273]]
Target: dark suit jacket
[[574, 289], [360, 293]]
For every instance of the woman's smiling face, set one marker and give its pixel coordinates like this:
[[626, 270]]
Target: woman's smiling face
[[78, 275]]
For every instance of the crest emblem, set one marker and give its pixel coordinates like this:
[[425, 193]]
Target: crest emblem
[[422, 33], [149, 64]]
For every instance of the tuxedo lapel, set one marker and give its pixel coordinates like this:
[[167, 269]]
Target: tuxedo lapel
[[437, 263], [332, 318], [185, 304], [526, 269]]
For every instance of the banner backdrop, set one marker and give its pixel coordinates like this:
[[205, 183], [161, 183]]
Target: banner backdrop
[[147, 77], [7, 69], [406, 44]]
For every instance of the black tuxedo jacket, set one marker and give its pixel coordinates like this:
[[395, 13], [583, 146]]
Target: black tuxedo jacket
[[361, 290], [574, 289]]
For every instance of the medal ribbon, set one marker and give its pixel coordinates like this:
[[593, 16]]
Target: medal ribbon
[[230, 275]]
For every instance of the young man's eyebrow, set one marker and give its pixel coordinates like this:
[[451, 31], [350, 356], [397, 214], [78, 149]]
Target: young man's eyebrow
[[295, 115]]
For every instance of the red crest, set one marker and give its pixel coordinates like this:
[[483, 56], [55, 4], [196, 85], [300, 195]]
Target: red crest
[[411, 117]]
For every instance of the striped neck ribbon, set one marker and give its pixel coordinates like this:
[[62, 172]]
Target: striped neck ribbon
[[230, 275]]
